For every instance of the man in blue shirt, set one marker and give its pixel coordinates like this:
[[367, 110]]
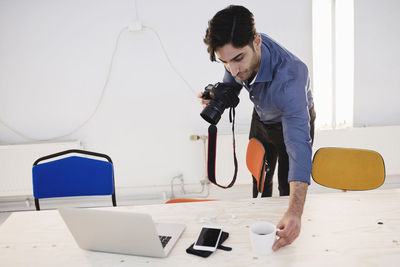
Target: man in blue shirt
[[283, 116]]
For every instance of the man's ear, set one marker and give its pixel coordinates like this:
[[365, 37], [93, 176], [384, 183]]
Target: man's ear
[[257, 41]]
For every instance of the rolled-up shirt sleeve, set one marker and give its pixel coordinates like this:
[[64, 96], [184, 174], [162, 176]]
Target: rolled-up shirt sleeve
[[292, 101]]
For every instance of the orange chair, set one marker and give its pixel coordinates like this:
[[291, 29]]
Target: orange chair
[[255, 161], [182, 200]]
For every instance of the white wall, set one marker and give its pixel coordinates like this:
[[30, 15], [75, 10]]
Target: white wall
[[54, 58], [377, 68]]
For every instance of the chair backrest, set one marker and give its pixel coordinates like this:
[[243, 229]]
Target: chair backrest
[[76, 175], [348, 168], [255, 161]]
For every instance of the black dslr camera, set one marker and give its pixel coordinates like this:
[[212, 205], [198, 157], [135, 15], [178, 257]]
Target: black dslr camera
[[222, 96]]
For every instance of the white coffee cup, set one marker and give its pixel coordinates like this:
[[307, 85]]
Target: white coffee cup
[[262, 236]]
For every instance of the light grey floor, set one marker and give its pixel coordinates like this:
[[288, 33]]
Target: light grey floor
[[236, 192]]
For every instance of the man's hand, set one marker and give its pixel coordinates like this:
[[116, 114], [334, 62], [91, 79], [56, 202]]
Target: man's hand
[[289, 227], [204, 102], [290, 223]]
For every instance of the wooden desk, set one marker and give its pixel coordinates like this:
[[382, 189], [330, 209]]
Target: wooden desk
[[338, 229]]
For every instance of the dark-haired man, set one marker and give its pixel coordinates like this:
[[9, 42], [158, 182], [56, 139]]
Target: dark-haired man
[[283, 116]]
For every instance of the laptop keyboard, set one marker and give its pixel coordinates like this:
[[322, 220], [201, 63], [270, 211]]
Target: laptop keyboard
[[164, 240]]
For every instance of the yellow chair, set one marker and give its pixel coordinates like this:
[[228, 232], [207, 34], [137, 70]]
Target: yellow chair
[[348, 168], [182, 200], [255, 161]]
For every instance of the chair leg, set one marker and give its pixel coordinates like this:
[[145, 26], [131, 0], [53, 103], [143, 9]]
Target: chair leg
[[37, 204], [114, 201]]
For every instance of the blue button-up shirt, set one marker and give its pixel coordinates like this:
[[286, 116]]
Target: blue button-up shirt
[[281, 93]]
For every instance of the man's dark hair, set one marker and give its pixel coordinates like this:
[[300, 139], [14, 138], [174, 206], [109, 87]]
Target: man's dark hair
[[234, 24]]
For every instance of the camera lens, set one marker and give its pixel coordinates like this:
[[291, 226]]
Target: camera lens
[[211, 113]]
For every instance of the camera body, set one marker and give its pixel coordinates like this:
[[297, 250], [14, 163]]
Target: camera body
[[222, 96]]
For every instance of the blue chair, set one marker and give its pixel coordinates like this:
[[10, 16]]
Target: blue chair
[[74, 175]]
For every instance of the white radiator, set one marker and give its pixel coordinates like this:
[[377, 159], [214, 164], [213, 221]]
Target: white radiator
[[16, 165]]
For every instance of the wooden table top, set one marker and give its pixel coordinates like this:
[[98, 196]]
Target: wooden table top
[[338, 229]]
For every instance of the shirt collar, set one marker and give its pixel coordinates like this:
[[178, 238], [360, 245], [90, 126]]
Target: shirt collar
[[264, 73], [254, 79]]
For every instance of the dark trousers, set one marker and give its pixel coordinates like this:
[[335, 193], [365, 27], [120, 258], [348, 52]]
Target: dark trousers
[[271, 136]]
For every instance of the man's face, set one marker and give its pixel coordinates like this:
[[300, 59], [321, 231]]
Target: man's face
[[243, 62]]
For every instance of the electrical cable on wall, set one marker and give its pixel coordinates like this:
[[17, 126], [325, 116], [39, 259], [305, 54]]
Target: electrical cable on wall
[[91, 115], [127, 28], [169, 61]]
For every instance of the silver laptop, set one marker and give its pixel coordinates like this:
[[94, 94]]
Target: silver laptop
[[121, 232]]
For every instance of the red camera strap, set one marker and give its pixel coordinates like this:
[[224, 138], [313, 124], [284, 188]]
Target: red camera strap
[[212, 149]]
